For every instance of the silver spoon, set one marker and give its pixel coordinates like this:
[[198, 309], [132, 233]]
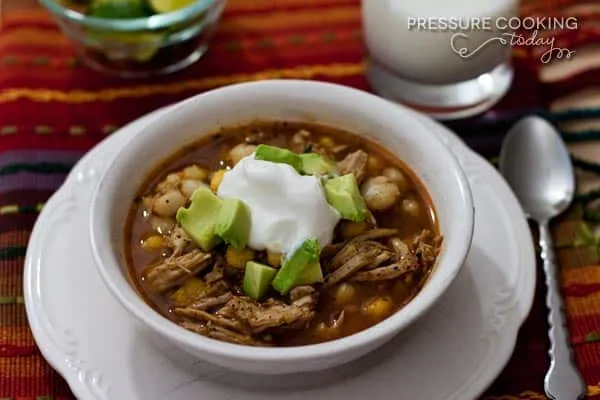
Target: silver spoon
[[536, 164]]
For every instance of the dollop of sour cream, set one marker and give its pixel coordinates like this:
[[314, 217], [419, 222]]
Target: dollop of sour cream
[[286, 208]]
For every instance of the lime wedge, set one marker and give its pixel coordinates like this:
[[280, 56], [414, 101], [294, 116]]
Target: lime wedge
[[167, 6], [119, 9]]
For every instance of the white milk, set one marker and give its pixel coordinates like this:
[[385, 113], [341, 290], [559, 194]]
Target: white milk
[[426, 56]]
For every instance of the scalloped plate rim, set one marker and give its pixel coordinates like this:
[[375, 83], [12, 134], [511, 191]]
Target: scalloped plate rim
[[56, 359]]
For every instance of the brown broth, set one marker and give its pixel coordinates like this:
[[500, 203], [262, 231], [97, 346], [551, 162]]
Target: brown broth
[[210, 152]]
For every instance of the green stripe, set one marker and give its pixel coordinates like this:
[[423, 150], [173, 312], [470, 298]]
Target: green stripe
[[8, 130], [568, 115], [11, 300], [586, 165], [108, 129], [591, 216], [582, 136], [44, 398], [40, 168], [587, 197], [9, 253], [21, 209], [589, 213], [592, 337]]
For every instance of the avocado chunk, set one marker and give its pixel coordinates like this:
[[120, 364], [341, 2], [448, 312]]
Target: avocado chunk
[[290, 273], [167, 6], [343, 195], [257, 279], [278, 155], [233, 223], [311, 274], [119, 9], [200, 218], [316, 164]]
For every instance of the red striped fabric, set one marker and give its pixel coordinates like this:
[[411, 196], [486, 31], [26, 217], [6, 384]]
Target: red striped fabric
[[52, 108]]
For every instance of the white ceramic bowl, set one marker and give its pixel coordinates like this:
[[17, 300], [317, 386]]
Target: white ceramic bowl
[[339, 106]]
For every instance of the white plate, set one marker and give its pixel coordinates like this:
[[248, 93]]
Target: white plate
[[454, 352]]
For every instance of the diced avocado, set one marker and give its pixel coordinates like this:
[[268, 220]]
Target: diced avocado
[[233, 223], [312, 274], [278, 155], [343, 195], [119, 9], [316, 164], [294, 266], [257, 279], [200, 218], [167, 6]]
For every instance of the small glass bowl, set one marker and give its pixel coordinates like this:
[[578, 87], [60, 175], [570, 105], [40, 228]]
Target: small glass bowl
[[141, 47]]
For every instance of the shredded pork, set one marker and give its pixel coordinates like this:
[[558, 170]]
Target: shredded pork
[[174, 271], [355, 163]]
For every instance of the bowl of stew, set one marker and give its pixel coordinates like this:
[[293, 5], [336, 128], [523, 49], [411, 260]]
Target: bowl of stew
[[281, 226]]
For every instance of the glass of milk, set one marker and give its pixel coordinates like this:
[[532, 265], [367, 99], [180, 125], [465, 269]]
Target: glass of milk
[[449, 59]]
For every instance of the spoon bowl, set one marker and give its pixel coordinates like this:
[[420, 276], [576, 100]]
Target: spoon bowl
[[537, 165]]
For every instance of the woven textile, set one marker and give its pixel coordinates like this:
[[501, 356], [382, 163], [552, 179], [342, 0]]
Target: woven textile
[[53, 110]]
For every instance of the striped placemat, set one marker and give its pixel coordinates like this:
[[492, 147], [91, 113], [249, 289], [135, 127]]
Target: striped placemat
[[53, 110]]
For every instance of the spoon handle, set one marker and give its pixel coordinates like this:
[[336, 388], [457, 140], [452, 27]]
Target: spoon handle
[[562, 381]]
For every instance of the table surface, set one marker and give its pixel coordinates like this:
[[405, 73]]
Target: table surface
[[53, 110]]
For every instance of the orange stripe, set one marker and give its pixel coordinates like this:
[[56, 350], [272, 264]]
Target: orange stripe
[[583, 306], [583, 275], [27, 16], [334, 70], [24, 367], [16, 336], [15, 238], [593, 390], [34, 36]]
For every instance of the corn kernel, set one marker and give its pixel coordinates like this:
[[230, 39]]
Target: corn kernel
[[196, 173], [326, 142], [154, 243], [351, 229], [379, 308], [238, 258], [274, 259], [325, 332], [216, 179], [193, 289]]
